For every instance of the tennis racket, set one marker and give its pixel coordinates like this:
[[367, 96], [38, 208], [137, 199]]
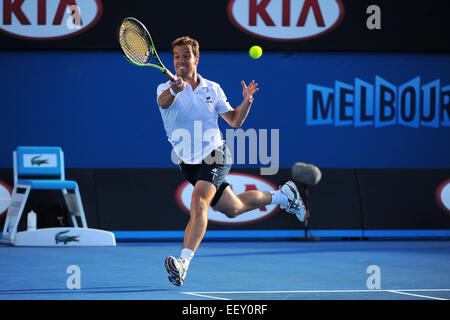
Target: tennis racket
[[137, 46]]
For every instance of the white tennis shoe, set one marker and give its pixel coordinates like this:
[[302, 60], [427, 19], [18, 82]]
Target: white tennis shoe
[[177, 270], [295, 202]]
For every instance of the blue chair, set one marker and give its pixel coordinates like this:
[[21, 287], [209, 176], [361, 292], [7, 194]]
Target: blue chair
[[40, 168]]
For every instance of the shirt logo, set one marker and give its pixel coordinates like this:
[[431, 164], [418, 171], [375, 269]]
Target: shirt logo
[[214, 173]]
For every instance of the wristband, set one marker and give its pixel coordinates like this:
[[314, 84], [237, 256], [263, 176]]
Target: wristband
[[173, 92]]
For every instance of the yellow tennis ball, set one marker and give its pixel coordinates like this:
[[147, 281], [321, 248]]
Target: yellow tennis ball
[[255, 52]]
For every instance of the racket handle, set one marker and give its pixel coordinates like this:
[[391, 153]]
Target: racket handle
[[169, 75]]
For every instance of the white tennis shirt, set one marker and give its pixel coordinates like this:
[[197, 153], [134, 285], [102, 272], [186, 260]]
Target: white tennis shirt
[[191, 123]]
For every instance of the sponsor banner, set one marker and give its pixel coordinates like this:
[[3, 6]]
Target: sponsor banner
[[41, 20], [286, 20], [276, 25], [159, 199], [443, 196], [344, 199], [5, 197], [355, 200], [239, 183]]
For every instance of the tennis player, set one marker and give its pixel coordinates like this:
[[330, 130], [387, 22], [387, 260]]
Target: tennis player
[[188, 105]]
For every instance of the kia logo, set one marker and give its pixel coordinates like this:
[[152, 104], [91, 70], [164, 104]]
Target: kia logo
[[286, 20], [48, 20], [443, 196], [5, 197], [239, 182]]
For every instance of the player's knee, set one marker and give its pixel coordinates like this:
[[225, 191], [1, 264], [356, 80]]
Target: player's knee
[[232, 212], [199, 206]]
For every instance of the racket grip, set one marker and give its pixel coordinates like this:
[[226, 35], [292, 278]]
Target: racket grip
[[169, 75]]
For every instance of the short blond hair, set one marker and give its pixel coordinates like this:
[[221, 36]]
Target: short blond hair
[[186, 40]]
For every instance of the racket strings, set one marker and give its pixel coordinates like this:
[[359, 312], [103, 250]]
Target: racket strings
[[135, 43]]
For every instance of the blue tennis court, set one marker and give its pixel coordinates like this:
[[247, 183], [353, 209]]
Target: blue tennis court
[[232, 270]]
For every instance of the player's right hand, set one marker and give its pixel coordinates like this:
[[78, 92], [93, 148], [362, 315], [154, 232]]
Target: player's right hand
[[178, 86]]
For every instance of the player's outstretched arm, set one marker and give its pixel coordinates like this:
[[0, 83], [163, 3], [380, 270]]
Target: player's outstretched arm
[[167, 97]]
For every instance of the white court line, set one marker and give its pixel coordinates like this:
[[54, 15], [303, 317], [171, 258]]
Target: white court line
[[204, 295], [209, 294], [416, 295]]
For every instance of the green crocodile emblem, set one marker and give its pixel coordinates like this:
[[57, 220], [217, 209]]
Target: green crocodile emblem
[[65, 239], [35, 161]]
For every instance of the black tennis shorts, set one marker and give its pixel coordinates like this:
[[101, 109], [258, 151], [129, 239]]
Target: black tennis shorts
[[214, 168]]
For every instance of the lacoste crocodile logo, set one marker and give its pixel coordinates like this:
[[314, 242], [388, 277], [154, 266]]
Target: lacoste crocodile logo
[[65, 239], [35, 161]]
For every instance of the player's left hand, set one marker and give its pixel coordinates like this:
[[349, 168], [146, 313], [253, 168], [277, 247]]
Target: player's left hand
[[250, 90]]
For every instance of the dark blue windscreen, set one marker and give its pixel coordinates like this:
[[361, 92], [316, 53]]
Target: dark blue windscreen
[[343, 110]]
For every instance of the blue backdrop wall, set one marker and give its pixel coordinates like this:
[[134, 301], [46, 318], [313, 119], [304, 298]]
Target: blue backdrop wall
[[336, 110]]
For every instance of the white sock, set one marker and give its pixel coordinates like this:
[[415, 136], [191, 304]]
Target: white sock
[[187, 254], [279, 197]]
